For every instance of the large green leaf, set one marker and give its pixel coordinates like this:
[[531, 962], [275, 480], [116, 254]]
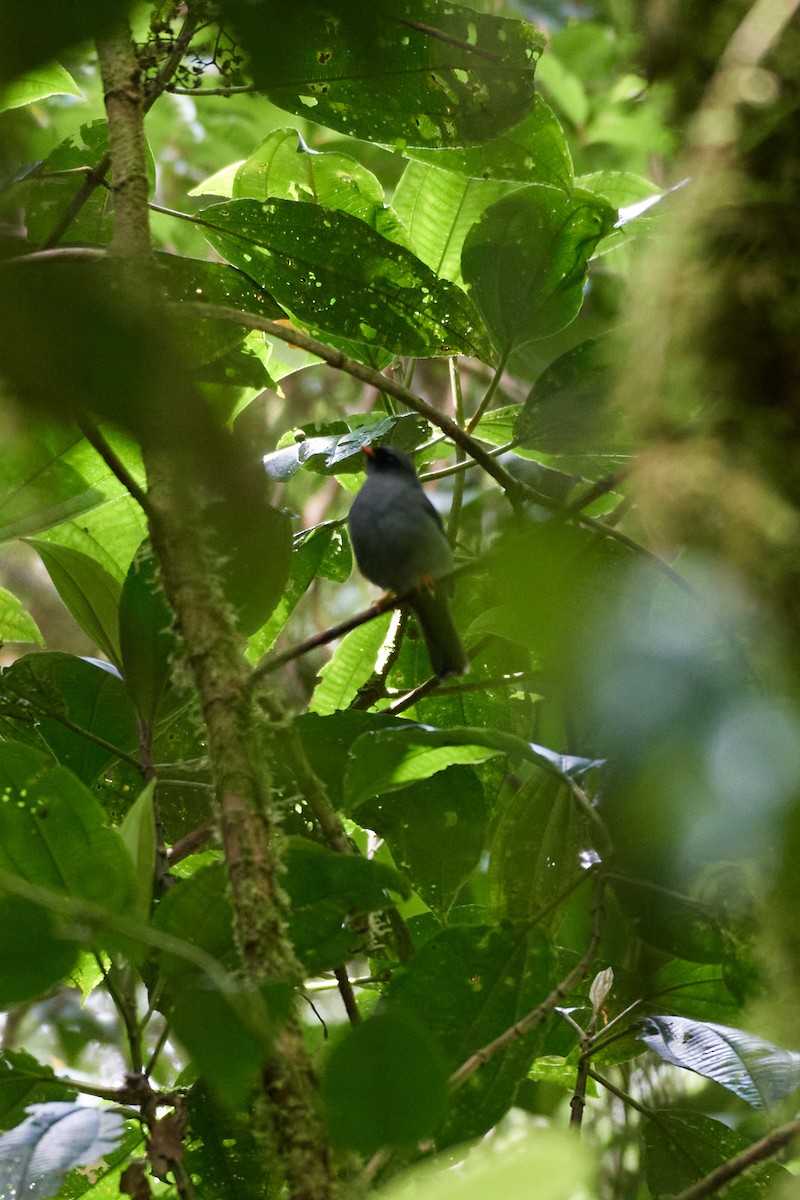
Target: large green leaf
[[351, 665], [90, 593], [50, 186], [402, 72], [53, 832], [110, 534], [25, 44], [53, 80], [331, 270], [384, 1085], [223, 1156], [525, 261], [682, 1147], [468, 985], [759, 1072], [83, 710], [435, 830], [33, 955]]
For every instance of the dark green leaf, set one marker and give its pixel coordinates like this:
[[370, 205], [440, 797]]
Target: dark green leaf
[[468, 985], [435, 830], [147, 642], [26, 44], [682, 1147], [759, 1072], [397, 72], [197, 911], [252, 542], [33, 955], [90, 593], [385, 1084], [223, 1156], [331, 270], [48, 189], [75, 702], [695, 990], [525, 261]]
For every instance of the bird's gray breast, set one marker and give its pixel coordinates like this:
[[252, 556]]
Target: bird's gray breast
[[396, 534]]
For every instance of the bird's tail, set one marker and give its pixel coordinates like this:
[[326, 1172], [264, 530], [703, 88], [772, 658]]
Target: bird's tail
[[447, 654]]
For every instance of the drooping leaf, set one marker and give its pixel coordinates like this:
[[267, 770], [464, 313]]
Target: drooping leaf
[[525, 261], [83, 710], [431, 75], [331, 270], [90, 593], [758, 1071], [384, 1084], [682, 1147]]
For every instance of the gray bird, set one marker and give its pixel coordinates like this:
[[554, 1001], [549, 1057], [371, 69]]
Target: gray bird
[[400, 544]]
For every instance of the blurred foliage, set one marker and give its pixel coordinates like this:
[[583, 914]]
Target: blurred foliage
[[573, 228]]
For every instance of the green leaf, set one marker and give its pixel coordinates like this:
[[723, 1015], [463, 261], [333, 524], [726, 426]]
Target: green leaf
[[24, 1080], [53, 832], [252, 542], [57, 1136], [110, 534], [533, 854], [52, 476], [525, 261], [284, 167], [468, 985], [223, 1156], [400, 73], [352, 663], [534, 151], [331, 270], [78, 705], [564, 89], [759, 1072], [681, 1147], [17, 625], [197, 911], [145, 631], [54, 80], [138, 832], [435, 830], [384, 1085], [335, 448], [26, 44], [695, 990], [90, 593], [33, 955], [439, 208]]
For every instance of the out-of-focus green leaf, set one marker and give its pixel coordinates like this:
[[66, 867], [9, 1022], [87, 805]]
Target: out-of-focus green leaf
[[83, 710], [53, 832], [223, 1156], [525, 260], [17, 625], [110, 534], [682, 1147], [331, 270], [534, 151], [308, 551], [677, 924], [759, 1072], [53, 80], [384, 1085], [435, 830], [564, 89], [34, 957], [695, 990], [468, 985], [432, 75], [439, 208], [26, 44], [90, 593], [138, 832], [49, 187]]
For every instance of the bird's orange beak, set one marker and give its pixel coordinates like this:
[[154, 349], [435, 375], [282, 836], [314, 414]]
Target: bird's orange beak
[[368, 450]]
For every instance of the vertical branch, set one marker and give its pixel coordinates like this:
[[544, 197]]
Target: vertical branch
[[286, 1116]]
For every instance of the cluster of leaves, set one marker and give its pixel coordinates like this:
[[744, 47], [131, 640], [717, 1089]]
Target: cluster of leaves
[[579, 802]]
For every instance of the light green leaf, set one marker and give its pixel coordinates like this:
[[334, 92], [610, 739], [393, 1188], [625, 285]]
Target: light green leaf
[[17, 625], [352, 663], [54, 80], [138, 832]]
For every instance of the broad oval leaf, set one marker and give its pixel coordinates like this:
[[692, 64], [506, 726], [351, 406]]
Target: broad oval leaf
[[758, 1071], [332, 271], [436, 74], [57, 1136], [89, 591], [525, 261], [53, 80]]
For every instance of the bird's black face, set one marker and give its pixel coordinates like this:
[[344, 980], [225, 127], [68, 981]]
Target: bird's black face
[[384, 459]]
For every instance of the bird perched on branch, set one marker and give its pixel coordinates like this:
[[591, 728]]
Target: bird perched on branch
[[400, 544]]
